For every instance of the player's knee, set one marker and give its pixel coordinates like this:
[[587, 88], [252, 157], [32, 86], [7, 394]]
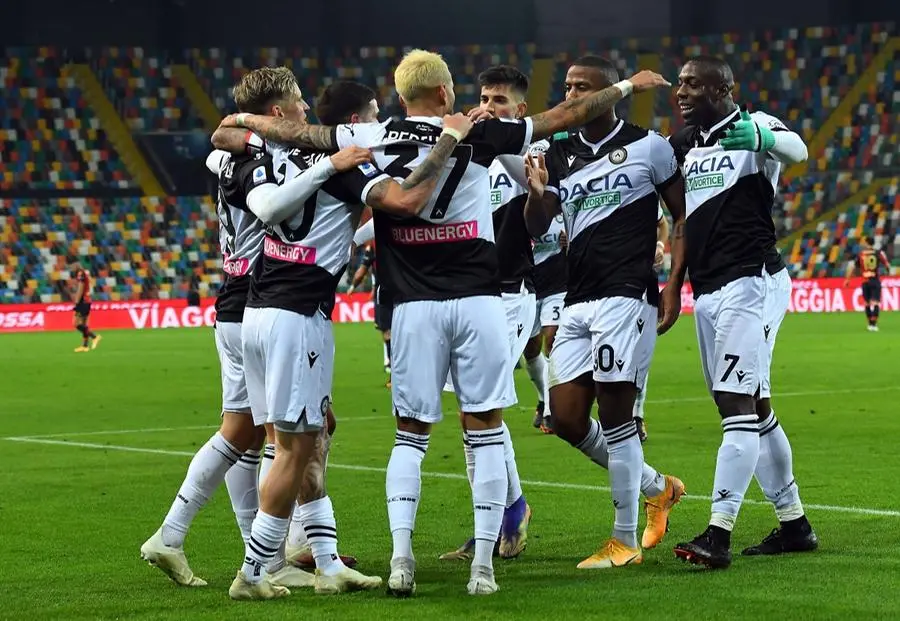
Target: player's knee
[[733, 404], [615, 402], [80, 327], [238, 430], [548, 342], [763, 408], [411, 425]]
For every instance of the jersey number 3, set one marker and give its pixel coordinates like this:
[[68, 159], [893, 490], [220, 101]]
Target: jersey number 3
[[406, 153]]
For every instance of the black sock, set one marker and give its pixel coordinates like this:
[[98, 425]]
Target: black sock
[[387, 345], [874, 320]]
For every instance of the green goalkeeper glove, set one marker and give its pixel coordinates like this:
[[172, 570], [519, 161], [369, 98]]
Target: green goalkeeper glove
[[746, 135]]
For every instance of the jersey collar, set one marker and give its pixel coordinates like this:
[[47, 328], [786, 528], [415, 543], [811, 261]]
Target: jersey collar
[[595, 146], [718, 127]]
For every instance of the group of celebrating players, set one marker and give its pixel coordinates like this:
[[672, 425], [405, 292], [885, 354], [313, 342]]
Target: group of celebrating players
[[466, 210]]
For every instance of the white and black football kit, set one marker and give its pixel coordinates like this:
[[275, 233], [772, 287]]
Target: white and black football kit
[[441, 268], [287, 331], [731, 265], [240, 239], [608, 195]]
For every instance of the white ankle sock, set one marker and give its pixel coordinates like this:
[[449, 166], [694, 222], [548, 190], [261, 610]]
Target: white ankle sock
[[735, 464], [321, 532], [775, 470], [205, 473], [265, 539], [403, 486], [489, 491], [537, 371], [241, 481], [626, 459], [513, 484], [296, 533]]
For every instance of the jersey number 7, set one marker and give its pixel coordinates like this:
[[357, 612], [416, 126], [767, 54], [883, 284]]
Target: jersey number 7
[[406, 153]]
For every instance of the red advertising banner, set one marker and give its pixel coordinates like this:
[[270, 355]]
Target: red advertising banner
[[822, 295]]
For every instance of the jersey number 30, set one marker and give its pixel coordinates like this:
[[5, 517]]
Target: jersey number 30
[[406, 153]]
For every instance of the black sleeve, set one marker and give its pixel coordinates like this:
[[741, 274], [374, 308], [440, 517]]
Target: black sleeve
[[499, 137], [350, 186], [244, 173]]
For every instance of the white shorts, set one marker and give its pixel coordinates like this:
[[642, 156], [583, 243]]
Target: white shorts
[[778, 298], [467, 337], [231, 362], [612, 337], [549, 310], [289, 365], [730, 335], [520, 310]]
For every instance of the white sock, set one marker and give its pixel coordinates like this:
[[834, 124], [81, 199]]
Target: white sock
[[470, 460], [242, 489], [594, 446], [735, 464], [268, 458], [638, 411], [321, 532], [403, 487], [296, 533], [265, 539], [205, 473], [513, 485], [537, 371], [626, 458], [489, 491], [775, 470]]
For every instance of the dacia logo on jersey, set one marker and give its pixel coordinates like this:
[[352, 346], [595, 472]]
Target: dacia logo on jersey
[[703, 174], [500, 181], [598, 192]]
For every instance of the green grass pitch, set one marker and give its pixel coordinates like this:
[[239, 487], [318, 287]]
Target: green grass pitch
[[112, 432]]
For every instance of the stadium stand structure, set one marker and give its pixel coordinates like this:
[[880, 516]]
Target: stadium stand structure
[[829, 84]]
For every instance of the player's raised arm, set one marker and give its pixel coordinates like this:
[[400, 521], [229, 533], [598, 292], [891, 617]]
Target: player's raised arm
[[282, 130], [764, 133], [273, 203], [411, 197], [577, 112], [541, 206]]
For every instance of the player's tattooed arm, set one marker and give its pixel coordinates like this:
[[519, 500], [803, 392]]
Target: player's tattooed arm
[[230, 139], [410, 197], [279, 129], [577, 112]]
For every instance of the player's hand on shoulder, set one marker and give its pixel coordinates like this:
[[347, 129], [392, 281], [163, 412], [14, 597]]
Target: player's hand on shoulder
[[458, 122], [348, 158], [477, 114], [647, 80]]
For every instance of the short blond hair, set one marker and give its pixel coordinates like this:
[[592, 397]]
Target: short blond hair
[[258, 89], [420, 71]]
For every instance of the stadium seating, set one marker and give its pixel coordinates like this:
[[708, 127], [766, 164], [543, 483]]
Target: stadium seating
[[141, 86], [49, 138], [137, 248], [826, 250]]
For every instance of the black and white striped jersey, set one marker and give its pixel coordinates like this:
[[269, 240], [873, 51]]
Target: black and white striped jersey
[[729, 199], [608, 194], [550, 272], [240, 231], [514, 254], [448, 251], [304, 257]]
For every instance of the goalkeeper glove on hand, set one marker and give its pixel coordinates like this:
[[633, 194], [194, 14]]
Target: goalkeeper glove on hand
[[746, 135]]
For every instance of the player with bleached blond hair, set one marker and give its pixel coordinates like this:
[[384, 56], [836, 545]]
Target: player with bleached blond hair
[[442, 269]]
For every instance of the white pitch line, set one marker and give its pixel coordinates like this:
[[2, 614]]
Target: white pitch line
[[116, 432], [445, 475]]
